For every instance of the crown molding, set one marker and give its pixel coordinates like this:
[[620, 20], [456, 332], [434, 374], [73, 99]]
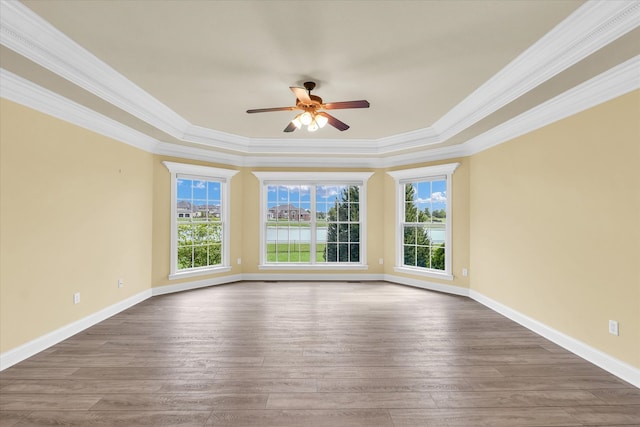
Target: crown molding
[[589, 28], [26, 33], [615, 82], [22, 91]]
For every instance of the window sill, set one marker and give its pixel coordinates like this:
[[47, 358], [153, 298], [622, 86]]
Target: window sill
[[313, 267], [199, 272], [423, 272]]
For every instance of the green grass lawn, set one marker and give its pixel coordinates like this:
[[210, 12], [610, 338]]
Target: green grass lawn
[[294, 252]]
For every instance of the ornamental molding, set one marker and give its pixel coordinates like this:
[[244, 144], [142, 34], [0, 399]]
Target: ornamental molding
[[588, 29], [615, 82]]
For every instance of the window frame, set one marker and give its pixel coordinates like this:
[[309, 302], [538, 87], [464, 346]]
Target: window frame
[[206, 173], [313, 179], [428, 173]]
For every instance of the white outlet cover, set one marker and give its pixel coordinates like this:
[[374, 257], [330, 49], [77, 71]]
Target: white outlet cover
[[613, 327]]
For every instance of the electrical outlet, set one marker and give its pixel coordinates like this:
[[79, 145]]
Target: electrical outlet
[[613, 328], [465, 272], [120, 283], [76, 298], [239, 261], [381, 261]]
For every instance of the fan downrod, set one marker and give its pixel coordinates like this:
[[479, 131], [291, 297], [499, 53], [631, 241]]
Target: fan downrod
[[309, 86]]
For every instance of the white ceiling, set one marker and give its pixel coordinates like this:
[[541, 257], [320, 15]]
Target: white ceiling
[[437, 73]]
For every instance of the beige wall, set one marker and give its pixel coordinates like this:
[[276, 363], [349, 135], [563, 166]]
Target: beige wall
[[548, 224], [555, 225], [459, 224], [75, 211]]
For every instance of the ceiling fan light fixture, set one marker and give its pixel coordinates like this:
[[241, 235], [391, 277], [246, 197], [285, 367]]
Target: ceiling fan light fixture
[[306, 118], [296, 121], [313, 126], [321, 121]]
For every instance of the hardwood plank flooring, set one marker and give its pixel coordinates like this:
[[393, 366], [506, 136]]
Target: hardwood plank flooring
[[311, 354]]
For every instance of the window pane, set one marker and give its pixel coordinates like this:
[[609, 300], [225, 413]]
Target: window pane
[[343, 232], [199, 189], [331, 254], [291, 222], [354, 233], [425, 203], [423, 258], [410, 233], [354, 253], [199, 223], [200, 256], [215, 257], [409, 255], [437, 257], [354, 212], [184, 257], [343, 252]]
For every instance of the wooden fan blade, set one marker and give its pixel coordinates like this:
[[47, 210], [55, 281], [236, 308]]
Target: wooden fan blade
[[334, 122], [346, 104], [266, 110], [290, 127], [301, 93]]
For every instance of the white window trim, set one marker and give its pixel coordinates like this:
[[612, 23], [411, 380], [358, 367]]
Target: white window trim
[[208, 173], [404, 176], [315, 178]]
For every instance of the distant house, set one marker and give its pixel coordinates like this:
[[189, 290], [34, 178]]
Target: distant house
[[288, 212], [186, 209]]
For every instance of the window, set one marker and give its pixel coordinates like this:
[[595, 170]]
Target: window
[[313, 219], [423, 219], [199, 219]]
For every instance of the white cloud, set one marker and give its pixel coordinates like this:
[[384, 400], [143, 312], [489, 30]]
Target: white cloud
[[198, 184], [436, 197], [285, 188]]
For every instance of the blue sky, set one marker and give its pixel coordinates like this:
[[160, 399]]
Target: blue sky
[[431, 194], [199, 192]]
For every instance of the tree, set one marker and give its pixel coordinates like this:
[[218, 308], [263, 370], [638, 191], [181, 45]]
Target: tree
[[416, 239], [343, 228], [437, 258], [440, 213], [199, 244]]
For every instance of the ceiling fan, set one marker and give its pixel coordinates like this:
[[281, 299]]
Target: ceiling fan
[[311, 106]]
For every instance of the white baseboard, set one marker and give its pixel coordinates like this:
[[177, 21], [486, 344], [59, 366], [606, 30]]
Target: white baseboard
[[39, 344], [320, 277], [196, 284], [609, 363], [424, 284], [616, 367]]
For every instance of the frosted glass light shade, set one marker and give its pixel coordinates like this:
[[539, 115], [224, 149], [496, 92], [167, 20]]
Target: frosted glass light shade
[[321, 120], [306, 118]]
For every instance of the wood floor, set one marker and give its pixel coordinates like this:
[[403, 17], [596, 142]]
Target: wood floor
[[311, 354]]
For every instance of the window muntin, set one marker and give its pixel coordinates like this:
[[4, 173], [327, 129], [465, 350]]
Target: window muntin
[[288, 226], [313, 219], [424, 224], [199, 219], [199, 223], [313, 223], [423, 220], [341, 208]]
